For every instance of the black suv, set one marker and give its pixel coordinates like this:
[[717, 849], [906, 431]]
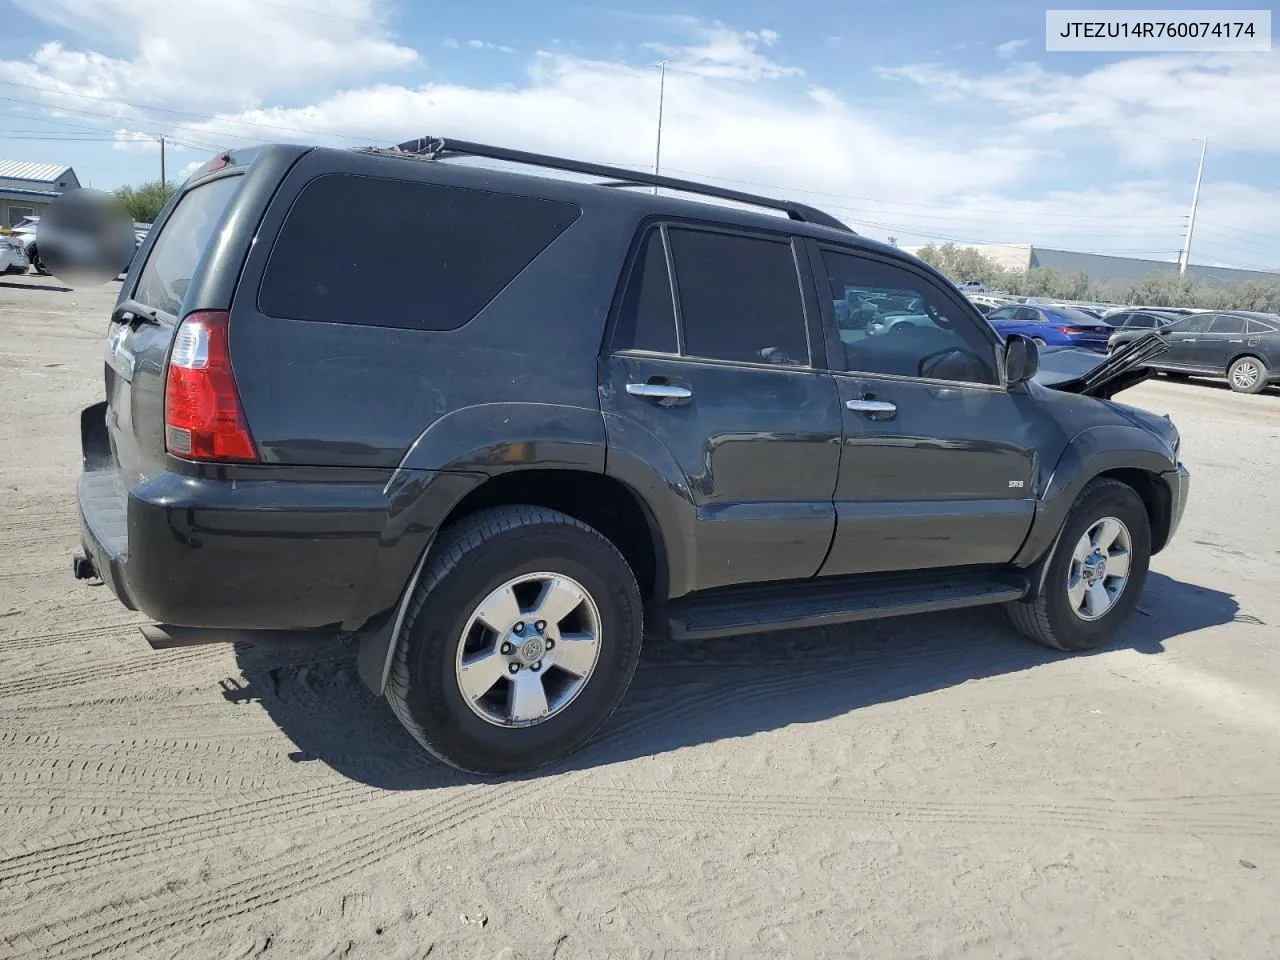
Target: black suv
[[526, 416]]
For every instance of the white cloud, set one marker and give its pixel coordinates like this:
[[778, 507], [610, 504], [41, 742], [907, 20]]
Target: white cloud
[[136, 141], [1007, 49], [199, 54], [723, 53], [606, 111], [486, 45], [1147, 105]]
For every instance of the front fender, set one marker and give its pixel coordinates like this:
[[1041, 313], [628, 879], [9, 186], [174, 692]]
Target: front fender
[[1089, 454]]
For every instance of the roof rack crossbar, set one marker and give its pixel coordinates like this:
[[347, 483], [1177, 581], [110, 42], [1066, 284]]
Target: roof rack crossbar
[[435, 148]]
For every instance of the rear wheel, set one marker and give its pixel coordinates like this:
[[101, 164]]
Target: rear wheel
[[1247, 375], [34, 255], [519, 641], [1096, 575]]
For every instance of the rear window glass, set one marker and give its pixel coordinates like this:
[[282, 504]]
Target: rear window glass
[[425, 256], [1073, 315], [177, 250]]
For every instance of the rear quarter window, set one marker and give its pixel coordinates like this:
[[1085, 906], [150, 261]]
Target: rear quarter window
[[425, 257], [173, 258]]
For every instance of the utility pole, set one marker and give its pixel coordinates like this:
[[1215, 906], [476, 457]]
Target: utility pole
[[163, 182], [1195, 200], [662, 86]]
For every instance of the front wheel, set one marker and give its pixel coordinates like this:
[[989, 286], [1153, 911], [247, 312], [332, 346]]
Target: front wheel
[[519, 641], [34, 256], [1247, 375], [1096, 574]]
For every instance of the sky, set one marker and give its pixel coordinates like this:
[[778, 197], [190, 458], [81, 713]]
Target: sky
[[910, 119]]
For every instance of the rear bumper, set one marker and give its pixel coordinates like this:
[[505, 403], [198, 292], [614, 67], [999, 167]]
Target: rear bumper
[[198, 551]]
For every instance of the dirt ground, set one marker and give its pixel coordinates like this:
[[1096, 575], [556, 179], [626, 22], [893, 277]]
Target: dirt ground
[[933, 786]]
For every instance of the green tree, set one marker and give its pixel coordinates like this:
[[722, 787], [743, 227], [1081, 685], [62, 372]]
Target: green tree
[[145, 202]]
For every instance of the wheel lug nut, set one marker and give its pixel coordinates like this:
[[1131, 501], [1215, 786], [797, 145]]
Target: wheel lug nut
[[550, 644], [540, 626], [515, 668], [507, 649], [536, 667], [518, 629]]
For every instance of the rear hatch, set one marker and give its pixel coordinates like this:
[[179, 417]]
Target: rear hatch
[[146, 317]]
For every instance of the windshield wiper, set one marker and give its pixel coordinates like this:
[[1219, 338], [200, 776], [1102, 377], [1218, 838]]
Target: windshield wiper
[[132, 310]]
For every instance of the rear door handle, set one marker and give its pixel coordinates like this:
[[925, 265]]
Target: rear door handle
[[871, 406], [659, 391]]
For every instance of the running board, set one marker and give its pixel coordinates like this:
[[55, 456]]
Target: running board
[[815, 603]]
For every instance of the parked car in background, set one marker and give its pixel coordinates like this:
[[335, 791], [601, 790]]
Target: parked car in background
[[971, 286], [24, 231], [13, 258], [1132, 319], [1052, 325], [1241, 346]]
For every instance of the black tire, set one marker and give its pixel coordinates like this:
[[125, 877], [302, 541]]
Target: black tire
[[34, 255], [1258, 384], [470, 560], [1050, 618]]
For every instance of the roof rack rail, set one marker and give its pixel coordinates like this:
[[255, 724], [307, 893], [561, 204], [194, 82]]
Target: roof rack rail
[[436, 148]]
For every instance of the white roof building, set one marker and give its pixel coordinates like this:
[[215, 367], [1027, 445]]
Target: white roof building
[[26, 189]]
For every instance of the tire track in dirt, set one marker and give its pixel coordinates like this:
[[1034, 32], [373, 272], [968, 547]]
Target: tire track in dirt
[[1218, 816], [134, 920], [125, 668]]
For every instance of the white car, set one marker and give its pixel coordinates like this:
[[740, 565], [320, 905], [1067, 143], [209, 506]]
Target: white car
[[13, 256]]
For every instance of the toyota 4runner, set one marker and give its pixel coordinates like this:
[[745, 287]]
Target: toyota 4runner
[[528, 414]]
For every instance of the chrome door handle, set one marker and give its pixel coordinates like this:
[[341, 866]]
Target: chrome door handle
[[871, 406], [660, 391]]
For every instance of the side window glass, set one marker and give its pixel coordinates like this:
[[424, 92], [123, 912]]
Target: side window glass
[[1027, 315], [739, 298], [1227, 324], [647, 316], [1259, 326], [1196, 324], [894, 321]]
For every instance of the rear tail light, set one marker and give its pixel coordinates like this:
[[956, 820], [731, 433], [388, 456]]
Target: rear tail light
[[203, 419], [1075, 331]]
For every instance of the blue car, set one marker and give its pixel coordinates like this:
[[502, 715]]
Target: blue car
[[1052, 326]]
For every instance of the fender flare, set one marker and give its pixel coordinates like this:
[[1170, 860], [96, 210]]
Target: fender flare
[[1089, 454]]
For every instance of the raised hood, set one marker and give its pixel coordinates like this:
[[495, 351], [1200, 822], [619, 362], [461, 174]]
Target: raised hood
[[1077, 371]]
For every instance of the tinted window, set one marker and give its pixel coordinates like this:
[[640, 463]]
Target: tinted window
[[1261, 326], [1028, 315], [172, 260], [1004, 313], [1142, 320], [894, 321], [1117, 319], [1227, 324], [427, 256], [647, 318], [739, 298], [1195, 324], [1072, 315]]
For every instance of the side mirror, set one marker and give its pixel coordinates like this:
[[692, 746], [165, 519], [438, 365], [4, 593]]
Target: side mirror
[[1021, 358]]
